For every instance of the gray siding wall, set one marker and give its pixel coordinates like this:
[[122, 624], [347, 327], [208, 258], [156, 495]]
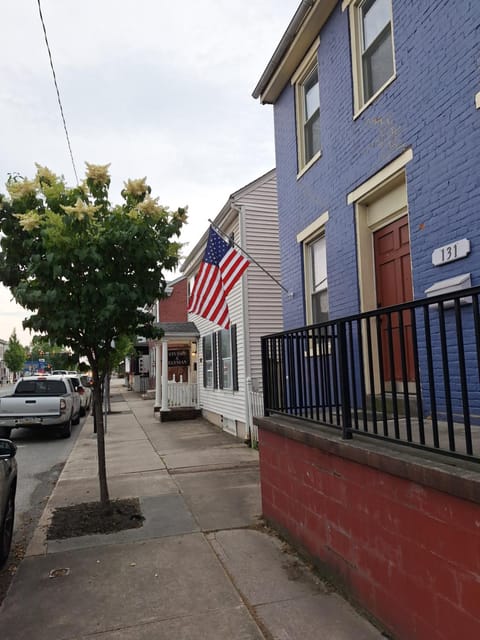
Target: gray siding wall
[[225, 402], [255, 303], [263, 295]]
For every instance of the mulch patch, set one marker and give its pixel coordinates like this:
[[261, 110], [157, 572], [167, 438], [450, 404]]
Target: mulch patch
[[91, 517]]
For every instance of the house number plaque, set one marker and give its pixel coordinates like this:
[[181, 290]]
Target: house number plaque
[[450, 252]]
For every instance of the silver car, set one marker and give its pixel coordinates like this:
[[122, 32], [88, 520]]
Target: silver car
[[8, 488], [84, 393]]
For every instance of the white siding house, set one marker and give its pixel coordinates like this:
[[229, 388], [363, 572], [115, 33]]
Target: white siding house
[[255, 305]]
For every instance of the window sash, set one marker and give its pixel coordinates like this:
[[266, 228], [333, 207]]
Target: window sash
[[220, 363], [225, 359], [208, 373], [319, 264], [320, 307], [311, 94], [311, 115], [376, 15], [377, 63], [317, 282], [377, 45], [227, 379]]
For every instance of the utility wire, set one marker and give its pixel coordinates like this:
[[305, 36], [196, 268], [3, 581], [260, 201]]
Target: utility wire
[[58, 92]]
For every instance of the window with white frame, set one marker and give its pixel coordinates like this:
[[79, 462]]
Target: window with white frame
[[307, 97], [220, 362], [372, 48], [225, 359], [316, 280], [208, 361]]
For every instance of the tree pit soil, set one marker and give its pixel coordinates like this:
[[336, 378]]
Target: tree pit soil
[[89, 518]]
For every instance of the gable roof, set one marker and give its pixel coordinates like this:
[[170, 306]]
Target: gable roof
[[178, 330], [229, 208], [304, 27]]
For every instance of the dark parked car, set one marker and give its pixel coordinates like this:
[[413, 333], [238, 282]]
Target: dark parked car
[[8, 488]]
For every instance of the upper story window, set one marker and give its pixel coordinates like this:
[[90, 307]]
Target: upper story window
[[372, 48], [311, 115], [307, 103]]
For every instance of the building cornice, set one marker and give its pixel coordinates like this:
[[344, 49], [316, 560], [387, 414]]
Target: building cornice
[[304, 27]]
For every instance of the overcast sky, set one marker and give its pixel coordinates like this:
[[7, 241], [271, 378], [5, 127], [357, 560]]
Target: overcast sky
[[158, 88]]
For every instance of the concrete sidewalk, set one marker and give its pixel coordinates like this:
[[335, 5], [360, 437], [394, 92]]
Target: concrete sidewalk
[[200, 567]]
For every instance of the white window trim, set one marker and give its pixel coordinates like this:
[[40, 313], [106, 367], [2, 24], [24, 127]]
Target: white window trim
[[303, 68], [313, 229], [207, 385], [361, 197], [307, 166], [222, 359], [298, 78], [381, 177], [306, 237], [359, 105]]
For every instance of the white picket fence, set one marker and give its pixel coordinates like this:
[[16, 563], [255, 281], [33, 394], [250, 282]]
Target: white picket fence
[[182, 394], [255, 409]]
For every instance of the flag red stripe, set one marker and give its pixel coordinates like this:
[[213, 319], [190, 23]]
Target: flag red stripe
[[232, 268], [215, 280], [208, 297], [200, 286]]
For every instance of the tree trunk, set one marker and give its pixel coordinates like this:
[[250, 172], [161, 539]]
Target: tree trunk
[[98, 420], [108, 403]]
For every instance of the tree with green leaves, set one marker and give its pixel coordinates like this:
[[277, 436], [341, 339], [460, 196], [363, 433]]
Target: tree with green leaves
[[86, 268], [55, 356], [14, 354]]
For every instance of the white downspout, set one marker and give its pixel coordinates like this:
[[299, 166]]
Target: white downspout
[[158, 371], [246, 332], [158, 374]]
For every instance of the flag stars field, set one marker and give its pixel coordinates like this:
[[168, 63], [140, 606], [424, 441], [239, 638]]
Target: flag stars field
[[222, 266]]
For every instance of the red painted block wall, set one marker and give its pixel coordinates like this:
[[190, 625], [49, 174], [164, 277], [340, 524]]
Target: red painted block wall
[[408, 553]]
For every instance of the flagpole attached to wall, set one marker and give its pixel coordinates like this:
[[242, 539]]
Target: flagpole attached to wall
[[230, 240]]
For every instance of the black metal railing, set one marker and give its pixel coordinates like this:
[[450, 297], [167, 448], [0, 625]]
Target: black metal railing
[[408, 374]]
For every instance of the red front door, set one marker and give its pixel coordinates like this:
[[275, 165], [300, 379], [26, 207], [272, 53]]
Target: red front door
[[393, 274]]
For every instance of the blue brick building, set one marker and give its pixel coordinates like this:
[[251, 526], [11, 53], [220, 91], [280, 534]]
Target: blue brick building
[[420, 128], [377, 122]]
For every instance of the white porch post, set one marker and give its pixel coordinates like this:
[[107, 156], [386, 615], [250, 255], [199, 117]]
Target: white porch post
[[158, 374], [164, 406]]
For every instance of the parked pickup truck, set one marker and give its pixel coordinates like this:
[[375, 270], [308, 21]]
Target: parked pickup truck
[[40, 402]]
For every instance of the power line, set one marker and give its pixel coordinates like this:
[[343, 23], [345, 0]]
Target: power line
[[58, 92]]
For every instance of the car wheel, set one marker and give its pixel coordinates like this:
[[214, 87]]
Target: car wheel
[[76, 419], [83, 411], [5, 432], [66, 429], [6, 529]]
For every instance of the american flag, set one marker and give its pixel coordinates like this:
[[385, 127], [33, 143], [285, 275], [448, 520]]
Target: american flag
[[221, 268]]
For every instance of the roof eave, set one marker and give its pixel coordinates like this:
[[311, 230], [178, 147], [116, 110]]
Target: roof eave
[[305, 26], [227, 215]]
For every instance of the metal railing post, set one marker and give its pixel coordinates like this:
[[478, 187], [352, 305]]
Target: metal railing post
[[265, 376], [344, 382]]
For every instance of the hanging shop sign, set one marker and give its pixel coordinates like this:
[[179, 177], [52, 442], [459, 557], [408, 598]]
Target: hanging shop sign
[[179, 357]]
